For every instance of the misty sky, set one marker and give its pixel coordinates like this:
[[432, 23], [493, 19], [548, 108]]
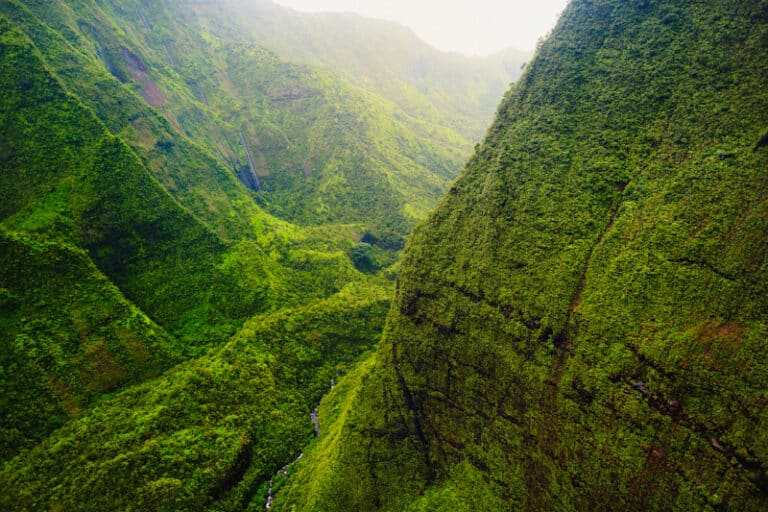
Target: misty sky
[[473, 27]]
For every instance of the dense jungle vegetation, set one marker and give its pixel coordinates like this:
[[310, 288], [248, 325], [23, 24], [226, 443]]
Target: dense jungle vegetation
[[197, 237], [581, 323], [205, 303]]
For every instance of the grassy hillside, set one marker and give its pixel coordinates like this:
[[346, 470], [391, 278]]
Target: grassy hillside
[[581, 323], [127, 248], [179, 229]]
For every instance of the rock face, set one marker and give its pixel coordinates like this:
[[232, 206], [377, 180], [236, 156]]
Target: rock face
[[582, 323]]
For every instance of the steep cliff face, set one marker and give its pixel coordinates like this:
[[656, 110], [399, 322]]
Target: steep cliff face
[[582, 322]]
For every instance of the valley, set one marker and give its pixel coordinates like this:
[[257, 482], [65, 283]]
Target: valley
[[258, 259], [198, 235]]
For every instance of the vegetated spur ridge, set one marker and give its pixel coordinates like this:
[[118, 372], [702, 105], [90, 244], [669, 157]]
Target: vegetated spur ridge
[[581, 324], [371, 161]]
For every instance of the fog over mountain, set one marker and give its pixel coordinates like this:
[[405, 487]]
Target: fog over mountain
[[481, 27]]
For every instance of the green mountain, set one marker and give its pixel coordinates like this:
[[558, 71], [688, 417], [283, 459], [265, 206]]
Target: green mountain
[[381, 57], [208, 434], [160, 216], [196, 240], [313, 147], [202, 216], [107, 278], [581, 324]]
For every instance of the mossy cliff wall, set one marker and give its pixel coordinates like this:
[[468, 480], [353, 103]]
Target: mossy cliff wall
[[581, 324]]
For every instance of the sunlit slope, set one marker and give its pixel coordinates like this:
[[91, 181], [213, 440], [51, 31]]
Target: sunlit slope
[[581, 325], [156, 211], [66, 177], [93, 236]]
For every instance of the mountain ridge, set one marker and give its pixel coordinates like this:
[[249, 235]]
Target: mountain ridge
[[388, 58], [580, 323], [197, 237], [200, 237]]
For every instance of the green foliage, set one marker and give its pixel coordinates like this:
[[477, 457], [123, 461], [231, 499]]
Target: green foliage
[[209, 432], [581, 323], [316, 473], [111, 209], [314, 343], [324, 150], [155, 247], [136, 233], [68, 337], [465, 491], [380, 57], [362, 257]]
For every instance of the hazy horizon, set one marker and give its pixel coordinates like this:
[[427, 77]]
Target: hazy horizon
[[480, 27]]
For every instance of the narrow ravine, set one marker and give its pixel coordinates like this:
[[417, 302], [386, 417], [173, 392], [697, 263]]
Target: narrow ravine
[[282, 471], [314, 417]]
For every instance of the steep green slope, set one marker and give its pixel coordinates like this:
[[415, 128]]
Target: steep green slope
[[318, 149], [582, 322], [129, 245], [67, 335], [208, 434], [193, 177], [69, 164], [82, 204], [84, 185], [177, 443], [381, 57], [314, 468]]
